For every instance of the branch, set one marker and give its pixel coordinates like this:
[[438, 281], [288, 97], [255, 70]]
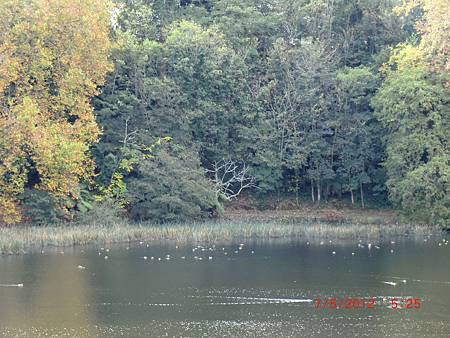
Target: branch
[[230, 178]]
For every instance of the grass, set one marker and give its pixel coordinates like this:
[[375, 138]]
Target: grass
[[20, 239]]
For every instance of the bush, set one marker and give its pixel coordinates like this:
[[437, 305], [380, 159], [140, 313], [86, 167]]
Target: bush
[[39, 207], [103, 213], [171, 187]]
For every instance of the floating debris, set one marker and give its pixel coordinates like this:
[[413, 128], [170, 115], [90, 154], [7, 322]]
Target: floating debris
[[81, 267]]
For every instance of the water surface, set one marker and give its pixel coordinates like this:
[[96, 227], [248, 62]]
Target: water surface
[[259, 289]]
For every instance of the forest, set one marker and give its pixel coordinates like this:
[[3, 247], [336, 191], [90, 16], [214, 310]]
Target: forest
[[166, 110]]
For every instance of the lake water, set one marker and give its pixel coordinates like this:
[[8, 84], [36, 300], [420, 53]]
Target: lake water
[[264, 289]]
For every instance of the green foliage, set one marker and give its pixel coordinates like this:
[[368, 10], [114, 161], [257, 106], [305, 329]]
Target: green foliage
[[413, 105], [104, 212], [40, 207], [282, 86], [171, 187]]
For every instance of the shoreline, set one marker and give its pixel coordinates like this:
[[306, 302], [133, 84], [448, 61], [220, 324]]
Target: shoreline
[[21, 239]]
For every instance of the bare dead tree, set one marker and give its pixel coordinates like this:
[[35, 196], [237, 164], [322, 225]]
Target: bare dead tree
[[230, 178], [128, 136]]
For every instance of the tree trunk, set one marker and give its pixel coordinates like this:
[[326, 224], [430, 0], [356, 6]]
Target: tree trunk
[[318, 191], [362, 195], [353, 198], [312, 191]]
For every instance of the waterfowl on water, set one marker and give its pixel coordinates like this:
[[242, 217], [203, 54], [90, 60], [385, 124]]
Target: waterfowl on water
[[390, 283]]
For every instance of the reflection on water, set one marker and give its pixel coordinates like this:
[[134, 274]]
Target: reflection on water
[[264, 289]]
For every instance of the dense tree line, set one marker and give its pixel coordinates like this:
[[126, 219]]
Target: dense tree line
[[318, 99]]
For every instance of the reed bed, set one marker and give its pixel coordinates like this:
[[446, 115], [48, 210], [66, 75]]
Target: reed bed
[[20, 239]]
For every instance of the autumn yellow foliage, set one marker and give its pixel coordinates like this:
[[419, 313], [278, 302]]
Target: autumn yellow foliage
[[434, 29], [53, 58]]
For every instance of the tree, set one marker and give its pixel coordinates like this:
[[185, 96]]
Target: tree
[[433, 28], [53, 58], [171, 187], [354, 143], [230, 178], [413, 106], [298, 106]]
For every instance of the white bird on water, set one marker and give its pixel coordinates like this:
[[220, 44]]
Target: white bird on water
[[81, 267], [390, 283]]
